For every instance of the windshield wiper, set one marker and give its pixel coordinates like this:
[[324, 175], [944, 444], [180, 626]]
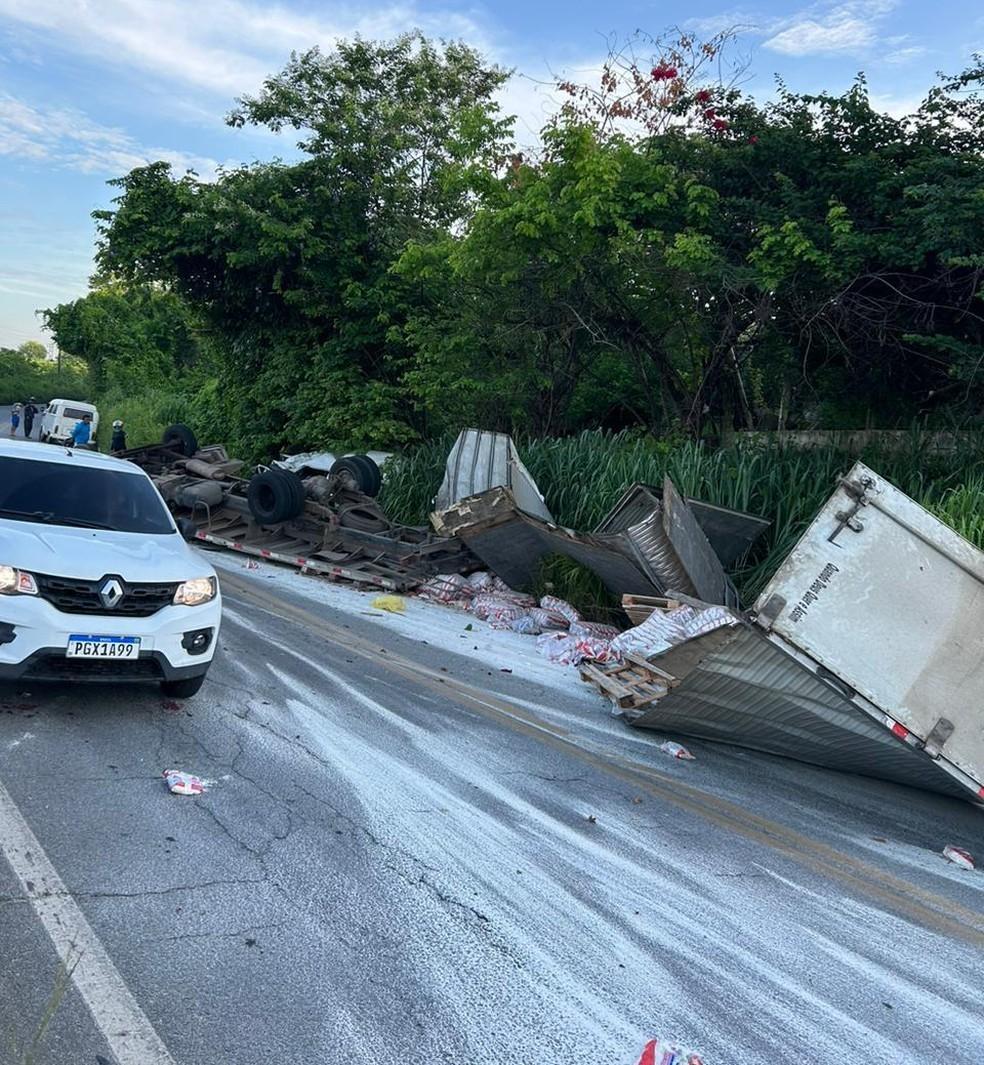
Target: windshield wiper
[[50, 518], [80, 523], [28, 515]]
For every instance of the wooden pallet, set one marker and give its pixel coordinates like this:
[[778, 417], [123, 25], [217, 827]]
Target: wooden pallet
[[639, 607], [632, 684]]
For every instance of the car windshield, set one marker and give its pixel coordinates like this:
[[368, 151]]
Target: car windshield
[[62, 493]]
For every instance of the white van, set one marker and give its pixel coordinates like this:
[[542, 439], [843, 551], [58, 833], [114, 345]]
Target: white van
[[60, 418]]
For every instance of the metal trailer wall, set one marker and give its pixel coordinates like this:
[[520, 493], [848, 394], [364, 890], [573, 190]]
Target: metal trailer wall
[[891, 600], [736, 685], [480, 460]]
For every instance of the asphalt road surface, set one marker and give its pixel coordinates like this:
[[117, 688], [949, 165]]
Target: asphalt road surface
[[404, 859]]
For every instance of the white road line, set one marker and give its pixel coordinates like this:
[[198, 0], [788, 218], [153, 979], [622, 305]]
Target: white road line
[[125, 1027]]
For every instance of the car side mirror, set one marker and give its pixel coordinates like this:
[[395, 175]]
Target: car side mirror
[[187, 528]]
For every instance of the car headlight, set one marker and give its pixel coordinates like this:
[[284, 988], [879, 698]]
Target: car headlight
[[196, 591], [16, 582]]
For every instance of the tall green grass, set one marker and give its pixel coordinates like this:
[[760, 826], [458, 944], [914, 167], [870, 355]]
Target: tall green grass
[[583, 476]]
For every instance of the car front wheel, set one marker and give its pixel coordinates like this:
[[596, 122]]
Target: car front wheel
[[182, 689]]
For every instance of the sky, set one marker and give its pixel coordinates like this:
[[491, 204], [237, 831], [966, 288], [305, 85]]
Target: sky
[[92, 88]]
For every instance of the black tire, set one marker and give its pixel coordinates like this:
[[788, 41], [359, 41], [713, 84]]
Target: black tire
[[355, 474], [275, 496], [374, 473], [42, 438], [368, 518], [180, 438], [182, 689]]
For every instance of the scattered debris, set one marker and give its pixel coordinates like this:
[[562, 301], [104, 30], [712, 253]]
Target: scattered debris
[[392, 604], [319, 520], [652, 1054], [959, 856], [181, 783], [677, 750], [639, 607], [660, 546], [631, 683], [480, 460]]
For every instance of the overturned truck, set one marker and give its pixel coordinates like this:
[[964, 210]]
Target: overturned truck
[[324, 521], [864, 653]]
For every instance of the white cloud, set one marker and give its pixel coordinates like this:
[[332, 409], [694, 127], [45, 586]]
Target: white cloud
[[905, 55], [70, 139], [895, 105], [225, 46], [850, 27]]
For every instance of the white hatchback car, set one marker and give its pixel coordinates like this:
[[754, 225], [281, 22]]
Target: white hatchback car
[[96, 582]]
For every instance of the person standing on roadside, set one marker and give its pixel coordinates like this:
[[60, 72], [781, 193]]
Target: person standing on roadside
[[14, 418], [118, 443], [82, 432], [30, 413]]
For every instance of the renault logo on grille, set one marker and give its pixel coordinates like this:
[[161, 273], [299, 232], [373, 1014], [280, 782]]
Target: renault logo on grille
[[111, 593]]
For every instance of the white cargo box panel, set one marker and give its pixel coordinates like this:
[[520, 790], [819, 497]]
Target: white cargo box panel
[[890, 601]]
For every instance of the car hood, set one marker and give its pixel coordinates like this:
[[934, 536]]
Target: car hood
[[92, 553]]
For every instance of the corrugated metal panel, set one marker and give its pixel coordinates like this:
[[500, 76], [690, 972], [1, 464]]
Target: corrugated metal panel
[[891, 600], [697, 558], [512, 543], [636, 504], [750, 693], [652, 543], [730, 532], [480, 460]]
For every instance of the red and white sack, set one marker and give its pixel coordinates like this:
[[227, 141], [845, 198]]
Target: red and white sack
[[594, 630], [503, 616], [714, 617], [446, 588], [560, 607], [481, 581], [483, 604], [571, 650], [959, 856], [548, 619], [596, 650], [503, 591], [181, 783], [558, 647], [657, 633], [655, 1053], [526, 625]]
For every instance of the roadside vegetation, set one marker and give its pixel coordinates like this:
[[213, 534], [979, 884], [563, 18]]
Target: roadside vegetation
[[672, 262], [583, 476], [26, 371], [674, 256]]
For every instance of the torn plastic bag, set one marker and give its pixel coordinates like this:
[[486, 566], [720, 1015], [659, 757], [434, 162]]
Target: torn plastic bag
[[181, 783]]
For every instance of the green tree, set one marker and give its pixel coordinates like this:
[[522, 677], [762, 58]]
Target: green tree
[[33, 350], [289, 265], [717, 261], [130, 338]]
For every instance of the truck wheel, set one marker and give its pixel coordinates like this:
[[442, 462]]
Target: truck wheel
[[374, 473], [182, 689], [356, 473], [180, 438], [275, 496]]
